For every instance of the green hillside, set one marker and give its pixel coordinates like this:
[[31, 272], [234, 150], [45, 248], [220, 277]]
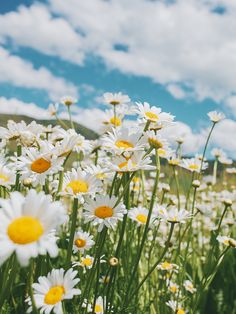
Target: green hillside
[[87, 133]]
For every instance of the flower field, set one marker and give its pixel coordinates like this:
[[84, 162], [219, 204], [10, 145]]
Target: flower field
[[122, 224]]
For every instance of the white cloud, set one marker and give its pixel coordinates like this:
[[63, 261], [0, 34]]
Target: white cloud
[[230, 102], [20, 72], [183, 42], [35, 27], [18, 107], [176, 91]]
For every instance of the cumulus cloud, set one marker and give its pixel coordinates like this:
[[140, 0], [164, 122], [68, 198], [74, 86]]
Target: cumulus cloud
[[179, 42], [20, 72], [17, 107], [35, 27], [230, 102]]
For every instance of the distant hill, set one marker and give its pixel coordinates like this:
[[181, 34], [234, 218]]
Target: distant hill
[[87, 133]]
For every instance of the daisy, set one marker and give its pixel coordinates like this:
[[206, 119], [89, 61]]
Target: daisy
[[215, 116], [64, 147], [173, 287], [176, 307], [38, 164], [147, 112], [173, 215], [103, 212], [116, 99], [226, 241], [53, 109], [78, 183], [25, 135], [140, 215], [110, 121], [193, 164], [7, 176], [156, 141], [83, 241], [51, 290], [68, 101], [82, 145], [85, 262], [99, 306], [27, 226], [122, 141], [188, 285], [97, 171], [133, 163], [168, 266]]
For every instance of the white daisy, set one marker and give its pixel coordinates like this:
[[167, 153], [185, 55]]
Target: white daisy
[[193, 164], [215, 116], [168, 266], [27, 226], [155, 140], [176, 307], [122, 141], [99, 305], [116, 99], [140, 215], [109, 121], [78, 183], [173, 215], [7, 176], [103, 212], [83, 241], [38, 164], [188, 285], [82, 145], [133, 163], [52, 289], [53, 109], [226, 240], [68, 100]]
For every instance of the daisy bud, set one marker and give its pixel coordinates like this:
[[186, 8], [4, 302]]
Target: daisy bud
[[113, 261], [27, 182], [227, 202], [196, 183]]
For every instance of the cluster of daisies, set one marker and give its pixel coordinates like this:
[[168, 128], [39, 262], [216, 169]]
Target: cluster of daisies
[[79, 213]]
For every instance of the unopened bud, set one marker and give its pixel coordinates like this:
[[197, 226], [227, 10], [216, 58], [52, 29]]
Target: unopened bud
[[113, 261]]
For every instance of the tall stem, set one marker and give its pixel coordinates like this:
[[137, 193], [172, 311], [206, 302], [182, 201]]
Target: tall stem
[[72, 231]]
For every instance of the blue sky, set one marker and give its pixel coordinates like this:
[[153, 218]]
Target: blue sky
[[88, 48]]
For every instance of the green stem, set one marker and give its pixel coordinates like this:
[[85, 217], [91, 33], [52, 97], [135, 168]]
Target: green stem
[[72, 231]]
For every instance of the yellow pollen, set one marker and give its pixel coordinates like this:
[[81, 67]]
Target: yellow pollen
[[226, 242], [77, 186], [166, 265], [115, 121], [154, 142], [40, 165], [87, 261], [173, 289], [54, 295], [104, 212], [141, 218], [180, 311], [25, 230], [80, 243], [68, 102], [136, 179], [124, 144], [151, 116], [4, 178], [114, 102], [161, 152], [98, 308], [193, 167], [101, 176]]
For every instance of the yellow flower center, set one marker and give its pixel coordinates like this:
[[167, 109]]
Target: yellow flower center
[[193, 167], [40, 165], [141, 218], [98, 308], [77, 186], [151, 116], [25, 230], [124, 144], [173, 289], [80, 243], [180, 311], [226, 242], [4, 178], [68, 102], [174, 162], [161, 152], [154, 142], [166, 265], [114, 102], [115, 121], [54, 295], [104, 212], [87, 261]]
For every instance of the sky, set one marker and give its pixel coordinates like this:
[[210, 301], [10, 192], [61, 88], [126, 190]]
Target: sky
[[178, 55]]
